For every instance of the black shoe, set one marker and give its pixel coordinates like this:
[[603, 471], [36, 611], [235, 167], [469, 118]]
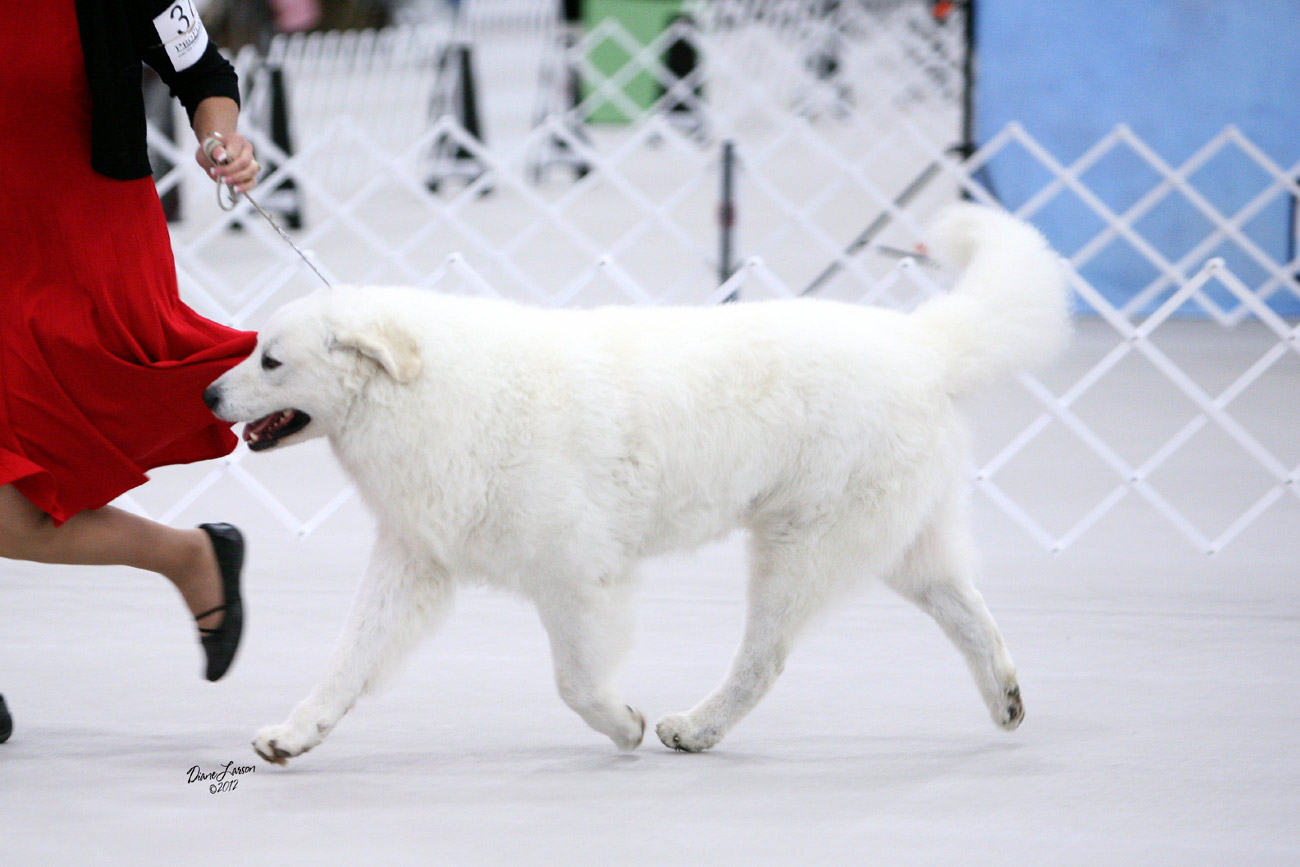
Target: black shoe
[[6, 721], [221, 643]]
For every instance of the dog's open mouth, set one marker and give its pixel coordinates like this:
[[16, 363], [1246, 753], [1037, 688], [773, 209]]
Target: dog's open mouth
[[269, 430]]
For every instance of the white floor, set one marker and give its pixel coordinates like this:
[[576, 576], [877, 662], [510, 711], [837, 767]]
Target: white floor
[[1162, 691]]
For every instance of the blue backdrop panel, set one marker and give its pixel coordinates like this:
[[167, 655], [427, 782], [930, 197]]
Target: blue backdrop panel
[[1177, 72]]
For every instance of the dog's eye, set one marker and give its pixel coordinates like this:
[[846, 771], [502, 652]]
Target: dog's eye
[[269, 363]]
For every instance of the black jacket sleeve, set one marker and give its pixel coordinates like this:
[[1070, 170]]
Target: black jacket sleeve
[[210, 75], [116, 36]]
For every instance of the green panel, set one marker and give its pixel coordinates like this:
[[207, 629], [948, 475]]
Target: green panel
[[644, 20]]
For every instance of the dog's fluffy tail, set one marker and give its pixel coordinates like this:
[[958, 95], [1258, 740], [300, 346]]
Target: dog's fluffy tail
[[1009, 309]]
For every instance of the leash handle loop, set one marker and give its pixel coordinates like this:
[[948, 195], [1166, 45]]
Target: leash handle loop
[[230, 198]]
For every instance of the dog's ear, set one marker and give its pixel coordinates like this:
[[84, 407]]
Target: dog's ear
[[386, 343]]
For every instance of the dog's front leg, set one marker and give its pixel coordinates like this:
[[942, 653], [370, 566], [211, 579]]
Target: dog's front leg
[[590, 629], [401, 598]]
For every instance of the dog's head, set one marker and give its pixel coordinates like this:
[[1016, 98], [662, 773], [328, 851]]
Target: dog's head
[[313, 358]]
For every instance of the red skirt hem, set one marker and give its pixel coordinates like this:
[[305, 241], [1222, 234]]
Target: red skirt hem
[[38, 484]]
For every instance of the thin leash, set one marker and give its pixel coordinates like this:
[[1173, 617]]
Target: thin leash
[[228, 201]]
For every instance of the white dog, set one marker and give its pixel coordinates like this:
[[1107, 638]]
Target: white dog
[[547, 451]]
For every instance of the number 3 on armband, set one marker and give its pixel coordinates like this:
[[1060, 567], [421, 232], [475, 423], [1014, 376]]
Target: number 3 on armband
[[182, 34], [183, 14]]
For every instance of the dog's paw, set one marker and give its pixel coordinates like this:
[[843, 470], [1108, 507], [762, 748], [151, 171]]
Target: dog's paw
[[677, 732], [1012, 711], [279, 743], [631, 736]]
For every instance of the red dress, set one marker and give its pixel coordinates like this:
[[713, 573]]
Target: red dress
[[102, 368]]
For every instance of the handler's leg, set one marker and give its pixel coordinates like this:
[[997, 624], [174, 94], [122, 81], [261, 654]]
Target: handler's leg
[[113, 537], [401, 599]]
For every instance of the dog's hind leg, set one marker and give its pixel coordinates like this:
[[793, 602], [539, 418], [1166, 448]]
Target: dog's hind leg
[[936, 574], [402, 597], [790, 582], [590, 630]]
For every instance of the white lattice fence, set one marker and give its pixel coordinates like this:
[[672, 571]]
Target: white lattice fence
[[1144, 404]]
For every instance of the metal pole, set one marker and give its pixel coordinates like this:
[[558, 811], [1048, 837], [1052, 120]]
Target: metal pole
[[969, 107], [1292, 231], [727, 216], [969, 70]]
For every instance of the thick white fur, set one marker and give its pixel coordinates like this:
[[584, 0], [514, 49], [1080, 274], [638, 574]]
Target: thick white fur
[[547, 452]]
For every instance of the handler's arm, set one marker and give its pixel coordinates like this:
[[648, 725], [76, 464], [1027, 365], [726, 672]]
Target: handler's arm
[[219, 116]]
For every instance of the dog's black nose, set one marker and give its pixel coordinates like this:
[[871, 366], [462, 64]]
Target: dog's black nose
[[212, 396]]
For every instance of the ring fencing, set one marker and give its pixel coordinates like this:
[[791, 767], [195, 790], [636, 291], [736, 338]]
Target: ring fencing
[[590, 169]]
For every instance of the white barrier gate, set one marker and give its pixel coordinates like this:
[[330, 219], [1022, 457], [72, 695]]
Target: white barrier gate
[[1194, 417]]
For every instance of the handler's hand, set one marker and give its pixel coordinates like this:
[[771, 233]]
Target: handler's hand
[[232, 161]]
